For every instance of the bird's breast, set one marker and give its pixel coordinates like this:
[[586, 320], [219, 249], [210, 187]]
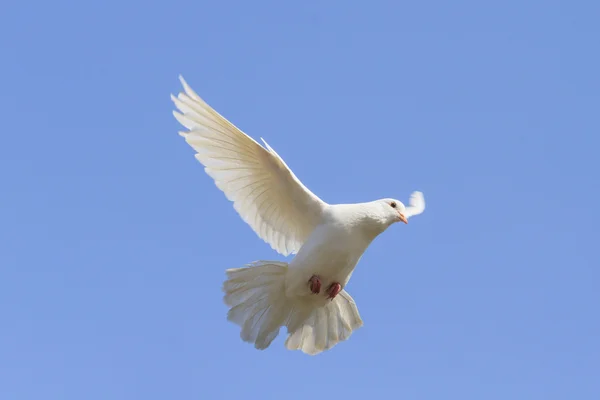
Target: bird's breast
[[330, 253]]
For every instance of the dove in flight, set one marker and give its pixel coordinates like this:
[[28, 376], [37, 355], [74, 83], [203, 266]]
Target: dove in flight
[[306, 295]]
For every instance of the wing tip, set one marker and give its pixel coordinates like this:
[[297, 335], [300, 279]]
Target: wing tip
[[188, 90], [417, 200]]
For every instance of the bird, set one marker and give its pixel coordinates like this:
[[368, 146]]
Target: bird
[[306, 296]]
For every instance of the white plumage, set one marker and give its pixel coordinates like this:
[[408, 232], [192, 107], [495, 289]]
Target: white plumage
[[327, 240]]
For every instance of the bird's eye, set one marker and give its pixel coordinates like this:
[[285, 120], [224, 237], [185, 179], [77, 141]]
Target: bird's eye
[[393, 204]]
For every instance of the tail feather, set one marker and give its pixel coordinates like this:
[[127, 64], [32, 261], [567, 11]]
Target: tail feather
[[256, 295], [325, 326], [259, 305]]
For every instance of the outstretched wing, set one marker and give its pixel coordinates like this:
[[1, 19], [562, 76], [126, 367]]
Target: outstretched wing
[[416, 205], [265, 192]]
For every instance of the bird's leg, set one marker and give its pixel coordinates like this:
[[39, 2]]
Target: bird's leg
[[334, 289], [314, 283]]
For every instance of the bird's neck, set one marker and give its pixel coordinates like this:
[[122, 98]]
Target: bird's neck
[[363, 219]]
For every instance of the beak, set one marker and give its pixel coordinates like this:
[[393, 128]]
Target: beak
[[402, 218]]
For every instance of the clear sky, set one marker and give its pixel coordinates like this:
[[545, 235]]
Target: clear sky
[[114, 242]]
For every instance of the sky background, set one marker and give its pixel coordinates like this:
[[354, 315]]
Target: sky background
[[114, 242]]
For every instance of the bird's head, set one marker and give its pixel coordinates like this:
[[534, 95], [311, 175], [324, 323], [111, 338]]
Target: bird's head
[[378, 215], [392, 211]]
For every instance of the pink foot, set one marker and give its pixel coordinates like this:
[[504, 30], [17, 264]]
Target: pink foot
[[315, 284], [333, 290]]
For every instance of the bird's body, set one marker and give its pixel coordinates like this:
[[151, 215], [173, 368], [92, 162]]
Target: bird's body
[[334, 248], [307, 295]]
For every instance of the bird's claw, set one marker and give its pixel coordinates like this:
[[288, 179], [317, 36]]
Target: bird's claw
[[333, 290], [314, 283]]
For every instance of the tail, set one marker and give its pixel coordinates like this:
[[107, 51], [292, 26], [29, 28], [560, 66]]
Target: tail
[[256, 295], [259, 305], [325, 326]]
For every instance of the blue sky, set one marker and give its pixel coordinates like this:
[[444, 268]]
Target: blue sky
[[113, 241]]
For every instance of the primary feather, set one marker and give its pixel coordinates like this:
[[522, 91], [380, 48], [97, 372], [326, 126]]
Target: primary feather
[[265, 192]]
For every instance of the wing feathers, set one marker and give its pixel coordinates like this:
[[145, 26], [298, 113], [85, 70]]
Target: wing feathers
[[265, 192], [416, 205]]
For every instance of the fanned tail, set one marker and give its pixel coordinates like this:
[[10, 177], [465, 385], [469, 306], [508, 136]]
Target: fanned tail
[[256, 295], [259, 305], [319, 329]]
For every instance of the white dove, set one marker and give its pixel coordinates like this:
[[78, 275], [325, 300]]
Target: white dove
[[307, 295]]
